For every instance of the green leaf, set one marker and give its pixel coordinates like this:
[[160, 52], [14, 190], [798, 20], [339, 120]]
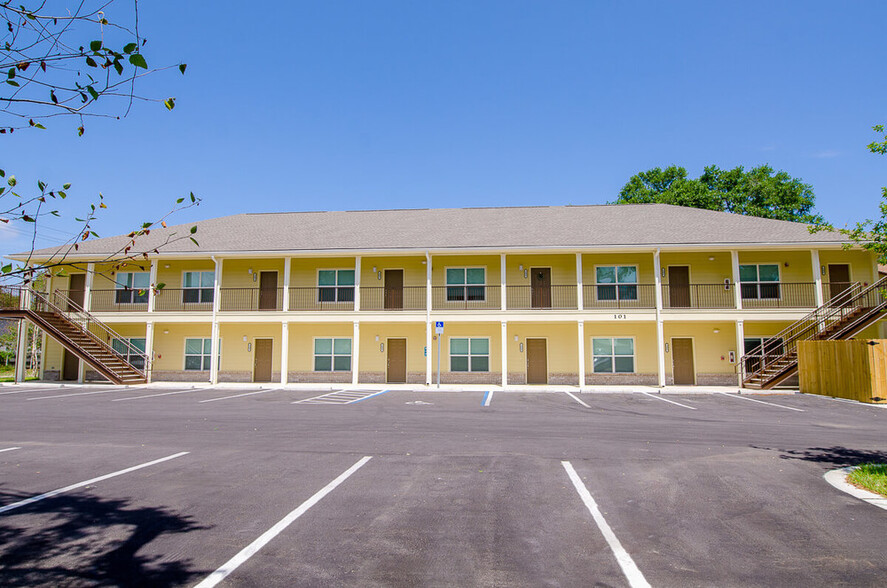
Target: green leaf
[[193, 229], [62, 194], [80, 131], [28, 219], [170, 103], [52, 97], [183, 67], [66, 186], [130, 47], [91, 62], [180, 200], [11, 73], [118, 67], [137, 60], [2, 173], [12, 181], [7, 268], [12, 83], [193, 197], [92, 92], [95, 45], [41, 185], [193, 240]]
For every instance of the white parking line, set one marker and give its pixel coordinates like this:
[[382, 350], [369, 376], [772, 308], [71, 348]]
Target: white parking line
[[9, 449], [576, 398], [629, 568], [76, 394], [669, 401], [761, 402], [488, 398], [239, 395], [34, 499], [848, 401], [23, 391], [162, 394], [251, 549]]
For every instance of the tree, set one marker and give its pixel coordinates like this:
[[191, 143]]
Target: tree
[[60, 63], [757, 192]]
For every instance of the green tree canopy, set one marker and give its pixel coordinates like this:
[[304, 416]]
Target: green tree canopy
[[757, 192]]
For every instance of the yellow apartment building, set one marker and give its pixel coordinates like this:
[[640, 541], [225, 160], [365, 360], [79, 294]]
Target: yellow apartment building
[[576, 295]]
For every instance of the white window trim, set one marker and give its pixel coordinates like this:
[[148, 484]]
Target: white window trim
[[134, 291], [466, 268], [130, 346], [637, 271], [332, 355], [469, 355], [758, 283], [211, 287], [336, 286], [634, 355], [185, 355]]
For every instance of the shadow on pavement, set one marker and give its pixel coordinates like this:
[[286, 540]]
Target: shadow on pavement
[[835, 456], [81, 540]]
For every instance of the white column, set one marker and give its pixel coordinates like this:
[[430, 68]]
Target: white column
[[581, 329], [214, 342], [149, 349], [740, 348], [660, 335], [503, 294], [737, 283], [428, 348], [817, 276], [287, 262], [87, 297], [152, 285], [284, 346], [43, 333], [504, 354], [580, 292], [355, 354], [357, 283], [81, 371], [21, 349]]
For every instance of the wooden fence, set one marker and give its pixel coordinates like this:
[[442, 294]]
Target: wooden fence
[[854, 369]]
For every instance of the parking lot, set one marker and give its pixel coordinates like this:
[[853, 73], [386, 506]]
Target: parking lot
[[186, 486]]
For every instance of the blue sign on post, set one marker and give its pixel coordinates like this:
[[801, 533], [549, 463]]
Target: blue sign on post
[[438, 327]]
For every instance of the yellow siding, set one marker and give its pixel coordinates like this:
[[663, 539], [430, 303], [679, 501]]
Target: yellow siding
[[172, 276], [563, 268], [373, 359], [702, 269], [491, 331], [413, 270], [301, 336], [710, 349], [53, 355], [235, 272], [169, 344], [643, 261], [563, 346], [861, 263], [644, 334], [238, 355], [764, 329], [794, 266], [439, 263], [303, 272]]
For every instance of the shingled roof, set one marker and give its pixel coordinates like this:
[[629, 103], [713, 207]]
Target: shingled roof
[[581, 227]]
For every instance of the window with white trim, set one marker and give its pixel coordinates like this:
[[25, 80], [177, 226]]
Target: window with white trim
[[132, 349], [759, 281], [332, 354], [335, 285], [197, 287], [466, 284], [469, 354], [754, 353], [198, 354], [616, 282], [613, 355], [132, 287]]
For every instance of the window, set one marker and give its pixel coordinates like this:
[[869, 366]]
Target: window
[[614, 355], [772, 348], [134, 353], [197, 287], [466, 283], [332, 355], [335, 285], [620, 276], [198, 354], [132, 287], [470, 355], [759, 281]]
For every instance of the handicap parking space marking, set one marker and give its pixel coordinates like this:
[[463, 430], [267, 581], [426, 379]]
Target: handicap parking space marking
[[250, 550], [488, 398], [77, 394], [9, 449], [577, 399], [345, 396], [632, 573], [667, 400], [240, 395], [198, 389], [52, 493], [740, 397]]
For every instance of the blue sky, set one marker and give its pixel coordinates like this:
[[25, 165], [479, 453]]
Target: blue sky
[[353, 105]]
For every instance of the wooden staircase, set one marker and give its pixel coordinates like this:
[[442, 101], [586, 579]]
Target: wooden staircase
[[842, 317], [77, 331]]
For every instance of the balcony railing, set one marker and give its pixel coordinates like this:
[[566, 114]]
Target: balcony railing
[[541, 298], [120, 300], [621, 296], [325, 299], [709, 296], [184, 300], [250, 299], [403, 298], [465, 298], [778, 295]]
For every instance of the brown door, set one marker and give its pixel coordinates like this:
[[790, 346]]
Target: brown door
[[70, 366], [268, 291], [537, 361], [682, 362], [541, 287], [393, 289], [679, 286], [838, 278], [262, 360], [397, 361], [76, 290]]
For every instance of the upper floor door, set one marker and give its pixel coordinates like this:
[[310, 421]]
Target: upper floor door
[[76, 291], [679, 286], [268, 291], [393, 289], [838, 278], [541, 287]]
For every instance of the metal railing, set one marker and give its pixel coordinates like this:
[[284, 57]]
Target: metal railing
[[325, 299], [465, 298], [118, 300], [555, 297], [823, 323], [183, 300], [778, 295], [622, 296], [250, 299], [403, 298], [707, 296]]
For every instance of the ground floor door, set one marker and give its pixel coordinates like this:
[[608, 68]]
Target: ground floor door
[[397, 361], [838, 278], [537, 361], [70, 367], [262, 360], [682, 362]]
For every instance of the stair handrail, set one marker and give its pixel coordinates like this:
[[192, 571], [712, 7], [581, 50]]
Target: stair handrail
[[818, 321], [86, 319]]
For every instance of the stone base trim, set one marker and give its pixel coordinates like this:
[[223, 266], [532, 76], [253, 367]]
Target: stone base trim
[[319, 377], [379, 378], [468, 378], [621, 379], [180, 376], [717, 380]]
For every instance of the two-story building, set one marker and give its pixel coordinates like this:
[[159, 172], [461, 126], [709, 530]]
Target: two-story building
[[581, 295]]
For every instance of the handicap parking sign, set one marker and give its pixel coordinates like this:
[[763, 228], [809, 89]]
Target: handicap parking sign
[[438, 327]]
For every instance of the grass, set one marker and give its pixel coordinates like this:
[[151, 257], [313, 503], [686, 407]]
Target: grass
[[871, 476]]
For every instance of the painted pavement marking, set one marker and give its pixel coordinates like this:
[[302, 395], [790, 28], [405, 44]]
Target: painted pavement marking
[[577, 399], [761, 402], [240, 395], [669, 401], [9, 449], [77, 394], [341, 397], [488, 398], [163, 394]]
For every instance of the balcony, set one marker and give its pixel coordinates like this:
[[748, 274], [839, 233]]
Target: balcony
[[246, 299], [542, 297], [403, 298], [466, 298], [120, 300]]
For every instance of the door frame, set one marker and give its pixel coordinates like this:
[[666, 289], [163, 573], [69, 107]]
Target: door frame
[[547, 361], [70, 289], [829, 276], [277, 287], [532, 290], [406, 352], [385, 271], [692, 353], [689, 284], [271, 377]]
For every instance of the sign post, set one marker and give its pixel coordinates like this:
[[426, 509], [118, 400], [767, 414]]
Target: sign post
[[438, 330]]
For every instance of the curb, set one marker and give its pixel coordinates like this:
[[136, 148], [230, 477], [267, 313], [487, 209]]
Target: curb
[[838, 479]]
